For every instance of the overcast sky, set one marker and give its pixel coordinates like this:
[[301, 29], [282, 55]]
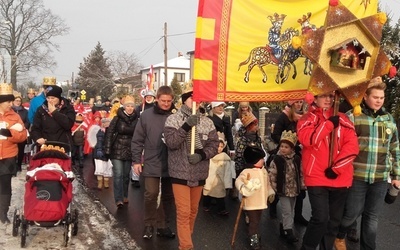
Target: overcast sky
[[134, 26]]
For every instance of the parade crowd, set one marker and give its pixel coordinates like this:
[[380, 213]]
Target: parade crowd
[[346, 163]]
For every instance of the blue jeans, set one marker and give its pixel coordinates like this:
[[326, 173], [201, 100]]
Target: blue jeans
[[367, 200], [327, 205], [121, 170]]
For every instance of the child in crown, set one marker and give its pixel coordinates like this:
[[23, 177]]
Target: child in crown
[[253, 183], [287, 181]]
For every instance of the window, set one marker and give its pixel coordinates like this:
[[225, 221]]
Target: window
[[155, 77], [180, 77]]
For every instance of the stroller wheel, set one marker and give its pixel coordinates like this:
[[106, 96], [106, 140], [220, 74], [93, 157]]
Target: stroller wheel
[[75, 222], [24, 228], [16, 223], [67, 229]]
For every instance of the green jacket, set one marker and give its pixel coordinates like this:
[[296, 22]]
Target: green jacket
[[378, 140]]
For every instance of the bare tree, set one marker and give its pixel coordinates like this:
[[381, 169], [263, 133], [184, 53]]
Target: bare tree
[[26, 30], [123, 64]]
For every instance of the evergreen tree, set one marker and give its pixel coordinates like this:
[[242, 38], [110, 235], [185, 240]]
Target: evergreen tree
[[177, 88], [391, 45], [95, 75]]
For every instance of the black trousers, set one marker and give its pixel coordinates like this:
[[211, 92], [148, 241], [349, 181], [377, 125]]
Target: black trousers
[[220, 202], [5, 193], [327, 206]]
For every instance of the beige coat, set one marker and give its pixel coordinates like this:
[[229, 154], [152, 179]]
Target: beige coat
[[258, 199], [219, 176]]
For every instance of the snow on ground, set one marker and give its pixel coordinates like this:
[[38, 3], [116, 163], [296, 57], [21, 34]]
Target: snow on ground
[[97, 227]]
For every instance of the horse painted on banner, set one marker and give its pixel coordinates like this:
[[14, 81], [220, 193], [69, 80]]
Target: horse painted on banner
[[261, 56], [292, 54], [278, 52]]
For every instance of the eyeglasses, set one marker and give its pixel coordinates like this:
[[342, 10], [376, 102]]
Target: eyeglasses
[[326, 96]]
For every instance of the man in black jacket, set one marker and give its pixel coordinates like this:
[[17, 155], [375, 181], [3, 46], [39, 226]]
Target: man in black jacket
[[148, 140]]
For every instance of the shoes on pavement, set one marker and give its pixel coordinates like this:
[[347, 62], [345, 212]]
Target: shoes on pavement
[[340, 244], [300, 220], [223, 212], [255, 242], [352, 235], [148, 232], [165, 232], [120, 204], [289, 236]]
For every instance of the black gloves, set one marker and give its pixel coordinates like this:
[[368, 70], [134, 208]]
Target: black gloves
[[334, 120], [5, 132], [194, 158], [330, 174], [191, 121], [100, 154]]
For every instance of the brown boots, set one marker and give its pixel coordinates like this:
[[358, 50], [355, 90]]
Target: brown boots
[[102, 182], [99, 182], [106, 182]]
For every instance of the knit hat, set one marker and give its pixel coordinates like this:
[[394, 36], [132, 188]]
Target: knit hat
[[186, 96], [79, 118], [253, 154], [216, 104], [289, 137], [248, 118], [150, 92], [6, 92], [54, 90]]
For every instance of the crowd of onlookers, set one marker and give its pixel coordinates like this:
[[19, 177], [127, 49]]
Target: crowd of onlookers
[[346, 163]]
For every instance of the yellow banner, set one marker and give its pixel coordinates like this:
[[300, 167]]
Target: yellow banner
[[243, 48]]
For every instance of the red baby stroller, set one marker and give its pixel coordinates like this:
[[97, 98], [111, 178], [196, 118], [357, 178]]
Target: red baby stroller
[[48, 192]]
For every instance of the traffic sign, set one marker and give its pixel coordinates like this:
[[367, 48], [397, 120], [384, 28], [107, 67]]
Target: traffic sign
[[83, 97], [83, 92]]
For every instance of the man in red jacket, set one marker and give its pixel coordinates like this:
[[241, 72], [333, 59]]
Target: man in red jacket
[[327, 183]]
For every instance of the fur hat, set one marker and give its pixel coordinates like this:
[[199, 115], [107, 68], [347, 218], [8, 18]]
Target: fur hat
[[6, 92], [54, 90], [289, 137], [253, 154], [248, 118]]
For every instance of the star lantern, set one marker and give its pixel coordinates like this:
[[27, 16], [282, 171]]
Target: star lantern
[[345, 53]]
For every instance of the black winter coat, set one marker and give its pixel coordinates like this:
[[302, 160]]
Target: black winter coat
[[119, 136], [23, 113], [55, 126], [224, 126], [99, 149]]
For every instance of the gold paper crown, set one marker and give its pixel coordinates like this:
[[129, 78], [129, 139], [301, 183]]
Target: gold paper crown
[[277, 17], [51, 147], [31, 91], [248, 118], [6, 89], [187, 87], [289, 136], [49, 80]]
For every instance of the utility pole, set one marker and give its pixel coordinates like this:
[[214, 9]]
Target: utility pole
[[165, 56]]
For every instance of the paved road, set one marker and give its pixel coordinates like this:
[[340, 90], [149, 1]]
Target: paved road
[[215, 232]]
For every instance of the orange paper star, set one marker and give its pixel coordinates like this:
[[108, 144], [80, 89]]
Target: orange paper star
[[335, 66]]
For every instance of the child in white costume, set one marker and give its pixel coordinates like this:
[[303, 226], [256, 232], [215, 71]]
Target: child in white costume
[[219, 179], [253, 183], [103, 166]]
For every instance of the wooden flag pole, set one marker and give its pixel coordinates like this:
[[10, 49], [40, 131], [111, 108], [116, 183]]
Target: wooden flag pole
[[334, 132], [192, 141]]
